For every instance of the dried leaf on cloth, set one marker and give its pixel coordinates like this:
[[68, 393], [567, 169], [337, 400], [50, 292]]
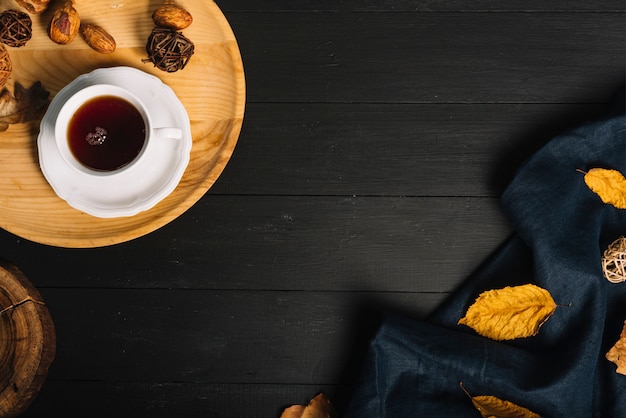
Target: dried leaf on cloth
[[24, 105], [493, 407], [617, 353], [509, 313], [610, 185], [319, 407]]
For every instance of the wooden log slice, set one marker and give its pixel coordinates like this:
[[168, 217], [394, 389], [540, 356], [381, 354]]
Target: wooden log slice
[[27, 341]]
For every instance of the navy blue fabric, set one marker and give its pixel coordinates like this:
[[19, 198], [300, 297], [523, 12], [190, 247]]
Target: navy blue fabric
[[414, 367]]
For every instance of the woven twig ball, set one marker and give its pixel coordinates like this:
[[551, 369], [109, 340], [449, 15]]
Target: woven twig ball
[[16, 28], [6, 68], [614, 261], [168, 50]]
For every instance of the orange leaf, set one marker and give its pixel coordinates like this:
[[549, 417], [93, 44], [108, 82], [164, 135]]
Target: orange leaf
[[492, 407], [509, 313], [294, 411], [610, 185], [617, 353], [318, 407]]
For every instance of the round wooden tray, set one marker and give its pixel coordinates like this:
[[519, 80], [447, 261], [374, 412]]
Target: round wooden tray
[[211, 87]]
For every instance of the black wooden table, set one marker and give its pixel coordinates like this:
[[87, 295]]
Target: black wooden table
[[377, 140]]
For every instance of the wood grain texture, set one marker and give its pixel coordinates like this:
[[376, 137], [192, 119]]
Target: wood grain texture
[[236, 353], [291, 243], [211, 88], [176, 399], [222, 336], [27, 341], [231, 6], [380, 149], [433, 58], [377, 140]]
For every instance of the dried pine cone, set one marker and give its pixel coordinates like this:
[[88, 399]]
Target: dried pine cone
[[168, 49], [16, 28]]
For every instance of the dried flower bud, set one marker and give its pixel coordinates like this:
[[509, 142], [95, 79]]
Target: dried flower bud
[[33, 6], [64, 24], [97, 38], [171, 16]]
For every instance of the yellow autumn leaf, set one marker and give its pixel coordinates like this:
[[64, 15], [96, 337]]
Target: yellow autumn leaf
[[610, 185], [493, 407], [319, 407], [617, 353], [509, 313]]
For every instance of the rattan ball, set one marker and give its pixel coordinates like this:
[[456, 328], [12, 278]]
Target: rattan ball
[[168, 49], [6, 67], [16, 28], [614, 261]]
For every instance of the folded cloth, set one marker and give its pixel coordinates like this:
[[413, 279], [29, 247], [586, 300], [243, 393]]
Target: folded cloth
[[414, 368]]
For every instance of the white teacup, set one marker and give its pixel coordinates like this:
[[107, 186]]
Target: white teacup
[[104, 129]]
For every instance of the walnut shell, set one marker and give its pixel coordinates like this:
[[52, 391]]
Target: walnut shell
[[171, 16], [33, 6], [64, 24], [97, 38]]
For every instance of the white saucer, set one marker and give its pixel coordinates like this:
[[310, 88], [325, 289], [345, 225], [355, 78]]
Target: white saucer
[[141, 186]]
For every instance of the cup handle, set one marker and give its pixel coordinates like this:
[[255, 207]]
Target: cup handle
[[170, 133]]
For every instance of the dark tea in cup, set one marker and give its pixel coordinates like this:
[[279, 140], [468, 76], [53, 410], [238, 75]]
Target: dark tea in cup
[[106, 133], [104, 130]]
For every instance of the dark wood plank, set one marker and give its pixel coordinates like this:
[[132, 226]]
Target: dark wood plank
[[175, 400], [288, 243], [205, 336], [420, 6], [432, 58], [390, 149]]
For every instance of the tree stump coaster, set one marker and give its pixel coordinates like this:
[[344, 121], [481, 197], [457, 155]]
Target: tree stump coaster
[[27, 341]]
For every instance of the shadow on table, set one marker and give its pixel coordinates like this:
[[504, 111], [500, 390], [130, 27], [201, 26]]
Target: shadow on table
[[368, 313], [528, 143]]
